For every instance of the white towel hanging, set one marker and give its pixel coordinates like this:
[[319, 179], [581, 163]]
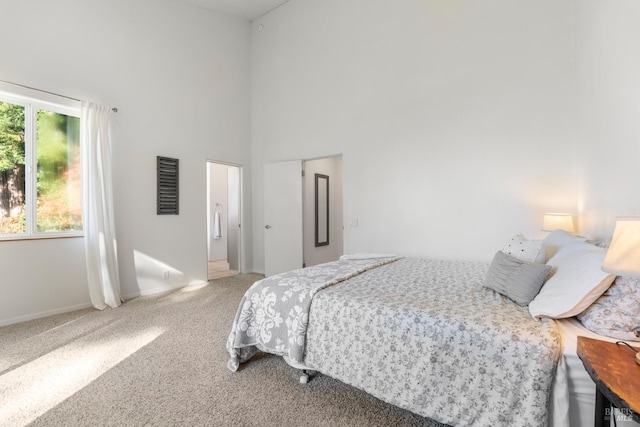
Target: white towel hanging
[[217, 227]]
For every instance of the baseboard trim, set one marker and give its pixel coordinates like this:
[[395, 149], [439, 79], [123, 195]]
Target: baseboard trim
[[33, 316], [160, 290], [20, 319]]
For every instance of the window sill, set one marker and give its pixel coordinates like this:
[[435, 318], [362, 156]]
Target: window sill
[[40, 237]]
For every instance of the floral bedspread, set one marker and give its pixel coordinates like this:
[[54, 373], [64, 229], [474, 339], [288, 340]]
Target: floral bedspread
[[274, 313], [425, 335]]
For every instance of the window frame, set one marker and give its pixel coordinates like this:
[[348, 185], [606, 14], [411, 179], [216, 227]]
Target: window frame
[[32, 101]]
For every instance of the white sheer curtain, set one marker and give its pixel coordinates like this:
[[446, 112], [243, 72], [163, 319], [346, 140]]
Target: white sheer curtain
[[97, 209]]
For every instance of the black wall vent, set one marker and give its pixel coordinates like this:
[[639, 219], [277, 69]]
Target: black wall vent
[[168, 187]]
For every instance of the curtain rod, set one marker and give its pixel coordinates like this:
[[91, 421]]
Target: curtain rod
[[114, 109]]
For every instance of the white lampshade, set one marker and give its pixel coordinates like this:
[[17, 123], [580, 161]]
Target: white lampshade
[[558, 221], [623, 256]]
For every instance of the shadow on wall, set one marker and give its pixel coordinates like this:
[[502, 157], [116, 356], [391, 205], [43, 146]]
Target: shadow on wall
[[154, 275]]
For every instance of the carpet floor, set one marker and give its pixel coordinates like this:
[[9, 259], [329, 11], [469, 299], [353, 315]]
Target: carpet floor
[[161, 361]]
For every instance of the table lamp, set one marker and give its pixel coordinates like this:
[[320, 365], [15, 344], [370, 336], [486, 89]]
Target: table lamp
[[558, 221], [623, 256]]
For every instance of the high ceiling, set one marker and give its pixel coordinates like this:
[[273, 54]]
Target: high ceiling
[[247, 9]]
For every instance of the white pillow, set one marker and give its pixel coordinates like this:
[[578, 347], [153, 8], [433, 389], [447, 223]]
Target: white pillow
[[575, 282], [556, 240], [526, 250]]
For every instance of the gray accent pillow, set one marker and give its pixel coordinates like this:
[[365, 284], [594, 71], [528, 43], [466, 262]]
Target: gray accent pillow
[[616, 313], [515, 278]]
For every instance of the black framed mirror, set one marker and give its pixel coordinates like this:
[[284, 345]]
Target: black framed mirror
[[322, 210]]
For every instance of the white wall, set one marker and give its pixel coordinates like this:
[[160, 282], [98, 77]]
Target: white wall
[[462, 121], [39, 278], [608, 56], [181, 79], [455, 119]]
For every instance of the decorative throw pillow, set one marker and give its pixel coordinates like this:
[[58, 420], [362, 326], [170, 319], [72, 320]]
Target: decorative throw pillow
[[522, 248], [515, 278], [576, 281], [616, 313], [556, 240]]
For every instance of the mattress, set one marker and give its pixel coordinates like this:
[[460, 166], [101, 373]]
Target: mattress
[[573, 395]]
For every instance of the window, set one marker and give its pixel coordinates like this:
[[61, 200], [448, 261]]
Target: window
[[40, 169]]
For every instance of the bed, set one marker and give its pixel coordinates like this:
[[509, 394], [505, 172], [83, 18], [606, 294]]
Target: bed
[[425, 335]]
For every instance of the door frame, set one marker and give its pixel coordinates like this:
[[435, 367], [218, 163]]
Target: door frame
[[240, 242]]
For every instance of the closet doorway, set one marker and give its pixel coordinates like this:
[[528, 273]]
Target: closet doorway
[[223, 220], [303, 213], [322, 210]]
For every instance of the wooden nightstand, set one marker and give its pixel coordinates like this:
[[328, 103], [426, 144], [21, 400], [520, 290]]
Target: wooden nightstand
[[614, 369]]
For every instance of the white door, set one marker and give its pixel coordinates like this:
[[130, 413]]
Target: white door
[[283, 217]]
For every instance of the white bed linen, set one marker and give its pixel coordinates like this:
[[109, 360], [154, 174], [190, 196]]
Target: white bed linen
[[573, 394]]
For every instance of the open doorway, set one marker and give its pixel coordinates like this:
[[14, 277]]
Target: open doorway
[[223, 220], [303, 213], [322, 210]]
